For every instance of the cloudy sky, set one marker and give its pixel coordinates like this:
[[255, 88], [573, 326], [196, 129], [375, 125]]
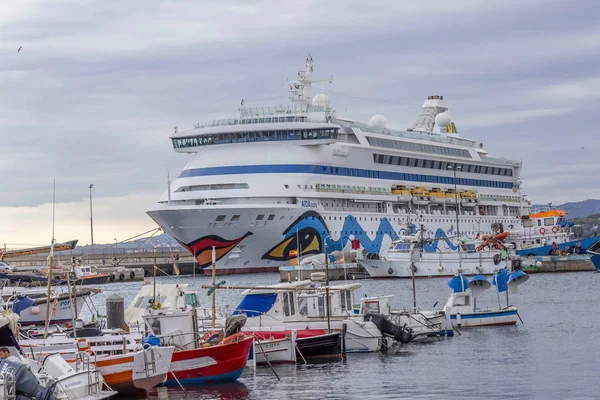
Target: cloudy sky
[[99, 85]]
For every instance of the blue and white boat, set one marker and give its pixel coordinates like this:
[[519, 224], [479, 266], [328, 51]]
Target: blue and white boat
[[462, 303]]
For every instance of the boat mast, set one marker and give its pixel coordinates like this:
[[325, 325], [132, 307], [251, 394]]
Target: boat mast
[[154, 282], [455, 168], [50, 259], [327, 288], [214, 276]]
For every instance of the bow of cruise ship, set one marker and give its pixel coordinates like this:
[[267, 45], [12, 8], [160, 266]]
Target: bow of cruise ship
[[276, 183]]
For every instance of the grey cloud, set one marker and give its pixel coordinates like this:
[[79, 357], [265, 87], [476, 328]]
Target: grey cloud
[[98, 86]]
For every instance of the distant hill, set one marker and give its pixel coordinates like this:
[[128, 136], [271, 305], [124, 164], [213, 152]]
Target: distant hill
[[163, 240], [578, 209], [590, 224]]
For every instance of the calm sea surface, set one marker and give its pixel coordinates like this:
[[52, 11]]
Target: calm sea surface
[[555, 354]]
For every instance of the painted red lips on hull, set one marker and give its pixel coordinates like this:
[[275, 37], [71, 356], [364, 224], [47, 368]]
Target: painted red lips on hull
[[202, 248]]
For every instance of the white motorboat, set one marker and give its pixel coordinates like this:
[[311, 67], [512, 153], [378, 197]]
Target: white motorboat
[[462, 303], [300, 306], [412, 254], [424, 324]]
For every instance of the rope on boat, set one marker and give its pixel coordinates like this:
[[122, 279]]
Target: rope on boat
[[520, 318], [169, 368], [299, 352], [267, 359]]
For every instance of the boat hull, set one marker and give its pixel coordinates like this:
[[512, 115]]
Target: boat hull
[[220, 363], [328, 346], [60, 311], [431, 266], [138, 372], [485, 318]]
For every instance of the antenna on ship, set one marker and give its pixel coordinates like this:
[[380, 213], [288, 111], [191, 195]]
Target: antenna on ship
[[301, 89], [168, 187]]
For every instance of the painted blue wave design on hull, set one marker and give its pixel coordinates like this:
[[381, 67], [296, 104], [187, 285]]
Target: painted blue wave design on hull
[[309, 232], [351, 227], [440, 235]]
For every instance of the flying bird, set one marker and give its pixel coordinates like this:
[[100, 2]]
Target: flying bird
[[18, 51]]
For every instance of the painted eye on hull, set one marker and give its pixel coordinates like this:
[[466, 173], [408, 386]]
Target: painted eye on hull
[[288, 248]]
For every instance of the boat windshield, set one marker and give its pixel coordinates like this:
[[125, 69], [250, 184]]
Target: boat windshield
[[469, 248], [402, 247]]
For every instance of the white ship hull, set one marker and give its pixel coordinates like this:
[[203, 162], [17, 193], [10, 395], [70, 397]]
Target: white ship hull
[[247, 245]]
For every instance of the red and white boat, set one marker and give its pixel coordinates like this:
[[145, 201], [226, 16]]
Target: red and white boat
[[192, 363]]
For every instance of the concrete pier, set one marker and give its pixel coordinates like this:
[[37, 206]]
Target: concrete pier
[[572, 263], [337, 272], [115, 262]]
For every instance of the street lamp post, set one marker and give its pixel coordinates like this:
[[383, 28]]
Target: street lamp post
[[91, 219], [116, 246], [455, 168]]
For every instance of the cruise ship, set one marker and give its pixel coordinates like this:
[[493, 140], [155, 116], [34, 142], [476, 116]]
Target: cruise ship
[[275, 184]]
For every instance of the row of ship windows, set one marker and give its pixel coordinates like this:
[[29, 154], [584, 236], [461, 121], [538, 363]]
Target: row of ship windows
[[271, 217], [418, 147], [259, 136], [443, 165]]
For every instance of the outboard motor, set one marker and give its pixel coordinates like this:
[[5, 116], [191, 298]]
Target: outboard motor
[[387, 327], [26, 384]]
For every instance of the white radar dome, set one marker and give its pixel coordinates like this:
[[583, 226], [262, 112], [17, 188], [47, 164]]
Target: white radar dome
[[321, 100], [379, 121], [442, 120]]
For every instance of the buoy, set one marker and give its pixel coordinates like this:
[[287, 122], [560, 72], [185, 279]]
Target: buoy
[[440, 268], [132, 275], [35, 310], [121, 276], [458, 319], [459, 270]]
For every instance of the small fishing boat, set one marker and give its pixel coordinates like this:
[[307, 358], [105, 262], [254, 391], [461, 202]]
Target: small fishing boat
[[423, 257], [594, 252], [462, 302], [196, 361], [33, 311]]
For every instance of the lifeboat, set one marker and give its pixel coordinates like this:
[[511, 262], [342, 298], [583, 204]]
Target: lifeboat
[[468, 198], [402, 192], [437, 196], [420, 195], [450, 196]]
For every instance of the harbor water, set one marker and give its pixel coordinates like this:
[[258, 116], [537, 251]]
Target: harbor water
[[553, 355]]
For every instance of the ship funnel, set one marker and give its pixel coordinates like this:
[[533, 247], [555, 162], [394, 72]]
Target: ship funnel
[[433, 106]]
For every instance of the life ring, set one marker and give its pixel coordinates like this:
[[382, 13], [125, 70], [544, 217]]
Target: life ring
[[235, 337], [542, 230], [121, 276], [390, 271], [555, 229], [132, 275], [497, 259]]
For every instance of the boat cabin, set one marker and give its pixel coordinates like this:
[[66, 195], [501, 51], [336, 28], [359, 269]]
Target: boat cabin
[[289, 302], [178, 296], [175, 327]]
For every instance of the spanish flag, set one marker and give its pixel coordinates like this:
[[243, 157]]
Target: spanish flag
[[294, 253]]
